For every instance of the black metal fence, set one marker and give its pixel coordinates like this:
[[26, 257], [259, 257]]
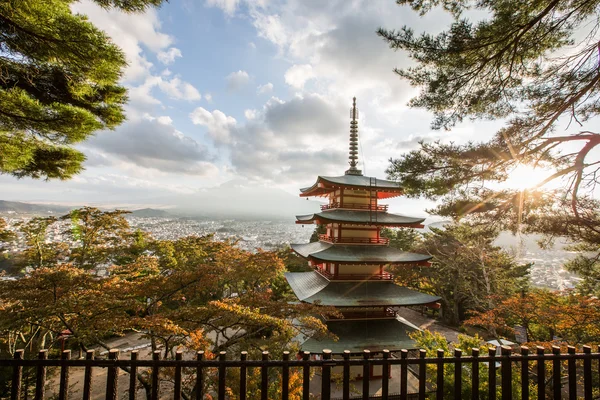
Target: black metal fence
[[552, 374]]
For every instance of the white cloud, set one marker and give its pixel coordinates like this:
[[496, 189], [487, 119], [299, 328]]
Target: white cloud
[[237, 80], [208, 97], [270, 27], [297, 75], [250, 114], [175, 88], [165, 120], [228, 6], [168, 57], [266, 88], [218, 124], [252, 45]]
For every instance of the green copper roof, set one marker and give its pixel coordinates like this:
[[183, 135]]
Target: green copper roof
[[356, 336], [311, 289], [356, 253], [360, 217], [356, 180]]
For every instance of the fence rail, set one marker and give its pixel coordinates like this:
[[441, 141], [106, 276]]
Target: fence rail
[[582, 369]]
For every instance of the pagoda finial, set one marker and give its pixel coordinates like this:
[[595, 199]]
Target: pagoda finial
[[353, 141]]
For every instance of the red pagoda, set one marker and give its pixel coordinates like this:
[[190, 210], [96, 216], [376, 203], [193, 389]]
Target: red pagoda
[[350, 261]]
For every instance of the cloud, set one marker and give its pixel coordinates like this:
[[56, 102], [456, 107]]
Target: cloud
[[297, 75], [174, 88], [208, 97], [168, 57], [155, 144], [228, 6], [266, 88], [237, 80], [218, 124]]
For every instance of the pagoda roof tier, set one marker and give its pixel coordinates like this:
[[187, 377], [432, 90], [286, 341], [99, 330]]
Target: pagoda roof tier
[[311, 287], [327, 184], [350, 254], [356, 336], [360, 217]]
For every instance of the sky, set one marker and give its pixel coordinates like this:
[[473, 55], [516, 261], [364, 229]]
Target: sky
[[255, 91]]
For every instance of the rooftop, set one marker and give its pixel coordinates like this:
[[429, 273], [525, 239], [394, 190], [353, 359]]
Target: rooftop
[[360, 217], [357, 254]]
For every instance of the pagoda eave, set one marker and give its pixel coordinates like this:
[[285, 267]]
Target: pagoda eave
[[357, 254]]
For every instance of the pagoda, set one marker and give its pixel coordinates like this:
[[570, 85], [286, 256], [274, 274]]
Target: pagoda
[[350, 261]]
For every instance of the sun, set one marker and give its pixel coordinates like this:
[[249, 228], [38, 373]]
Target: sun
[[525, 177]]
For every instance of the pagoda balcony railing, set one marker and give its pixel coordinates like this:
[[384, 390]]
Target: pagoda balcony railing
[[354, 206], [355, 240], [554, 374], [388, 313], [385, 276]]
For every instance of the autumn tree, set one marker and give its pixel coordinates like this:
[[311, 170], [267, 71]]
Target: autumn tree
[[534, 66], [39, 251], [467, 271], [59, 84]]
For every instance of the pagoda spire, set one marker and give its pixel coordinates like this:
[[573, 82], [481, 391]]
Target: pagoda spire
[[353, 141]]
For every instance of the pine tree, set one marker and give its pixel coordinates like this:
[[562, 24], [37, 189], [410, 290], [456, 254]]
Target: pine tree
[[533, 64], [58, 84]]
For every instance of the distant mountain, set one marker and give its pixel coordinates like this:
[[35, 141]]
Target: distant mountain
[[29, 208], [150, 212]]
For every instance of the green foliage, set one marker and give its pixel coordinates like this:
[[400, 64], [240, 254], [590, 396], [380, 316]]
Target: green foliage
[[59, 85], [320, 229], [404, 239], [534, 64], [467, 271], [40, 252]]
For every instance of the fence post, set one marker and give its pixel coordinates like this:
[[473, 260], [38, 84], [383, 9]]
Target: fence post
[[15, 390], [63, 392], [264, 375], [40, 378], [571, 370], [541, 372], [506, 373], [422, 373], [326, 376], [366, 374], [385, 374], [457, 374], [243, 377], [475, 374], [306, 376], [154, 389], [439, 386], [285, 376], [403, 374], [112, 377], [492, 373], [346, 377], [133, 375], [177, 388], [199, 376], [556, 385], [524, 373], [222, 372], [587, 372]]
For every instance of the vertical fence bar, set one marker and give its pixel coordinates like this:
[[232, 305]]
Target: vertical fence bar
[[326, 376], [133, 375], [346, 376], [222, 372], [177, 388], [366, 374], [199, 376], [457, 374], [306, 376], [112, 376], [475, 374], [243, 374], [506, 373], [439, 386], [154, 388], [40, 377], [63, 391], [17, 377], [587, 373], [556, 386], [403, 374], [285, 376], [385, 374], [492, 374], [87, 375], [422, 374], [572, 372], [524, 373], [264, 377], [541, 373]]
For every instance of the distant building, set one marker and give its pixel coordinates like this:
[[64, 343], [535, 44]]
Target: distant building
[[350, 261]]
